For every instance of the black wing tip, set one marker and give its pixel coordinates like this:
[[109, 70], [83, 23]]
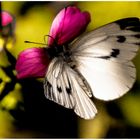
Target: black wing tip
[[130, 21]]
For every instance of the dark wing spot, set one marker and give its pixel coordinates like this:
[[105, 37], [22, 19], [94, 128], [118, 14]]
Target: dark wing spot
[[121, 39], [73, 66], [49, 86], [49, 90], [104, 57], [134, 28], [123, 23], [59, 89], [68, 89], [137, 44], [0, 80], [137, 35], [115, 52]]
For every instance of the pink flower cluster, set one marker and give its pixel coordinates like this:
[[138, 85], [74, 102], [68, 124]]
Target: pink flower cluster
[[69, 23]]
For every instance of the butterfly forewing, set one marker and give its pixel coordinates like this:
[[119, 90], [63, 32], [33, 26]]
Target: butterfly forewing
[[103, 57], [64, 86]]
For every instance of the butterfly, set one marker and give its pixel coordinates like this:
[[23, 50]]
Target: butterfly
[[98, 64]]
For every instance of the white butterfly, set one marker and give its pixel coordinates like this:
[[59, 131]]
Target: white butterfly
[[97, 64]]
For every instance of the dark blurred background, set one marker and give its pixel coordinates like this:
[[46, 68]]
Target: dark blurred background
[[24, 110]]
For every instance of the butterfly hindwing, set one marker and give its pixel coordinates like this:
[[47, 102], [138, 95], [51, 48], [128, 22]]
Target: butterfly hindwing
[[103, 57], [55, 84], [64, 86]]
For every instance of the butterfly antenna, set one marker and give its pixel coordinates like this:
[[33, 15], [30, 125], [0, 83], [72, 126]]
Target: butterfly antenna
[[34, 42], [52, 38]]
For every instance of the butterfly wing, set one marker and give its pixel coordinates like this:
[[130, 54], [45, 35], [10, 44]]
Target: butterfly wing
[[64, 86], [103, 57]]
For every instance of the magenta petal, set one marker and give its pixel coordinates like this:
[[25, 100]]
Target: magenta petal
[[69, 23], [6, 18], [32, 62]]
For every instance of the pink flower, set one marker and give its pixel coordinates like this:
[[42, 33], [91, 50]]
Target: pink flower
[[32, 62], [67, 25], [8, 24], [6, 18]]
